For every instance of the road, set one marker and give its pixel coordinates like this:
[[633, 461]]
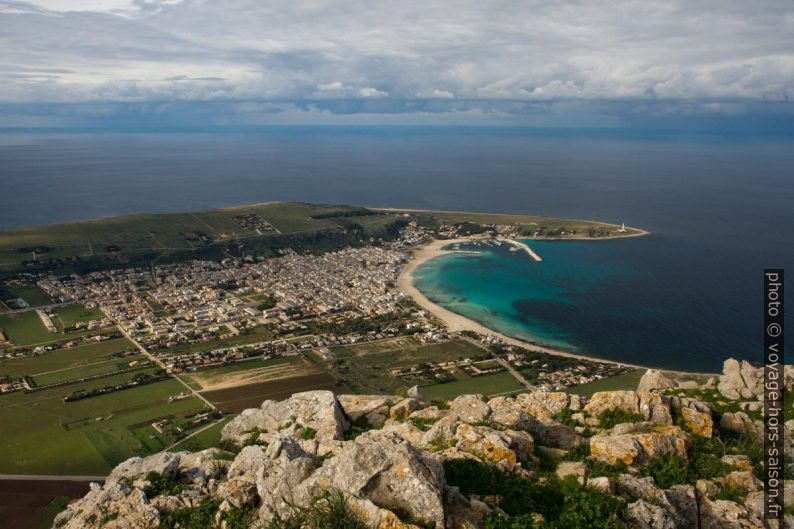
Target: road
[[38, 477], [159, 362]]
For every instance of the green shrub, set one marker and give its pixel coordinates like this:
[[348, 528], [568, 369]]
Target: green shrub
[[308, 433], [667, 471], [566, 417], [494, 520], [732, 492], [578, 453], [596, 468], [422, 424], [589, 508], [200, 517], [160, 485], [610, 418], [253, 438], [326, 511]]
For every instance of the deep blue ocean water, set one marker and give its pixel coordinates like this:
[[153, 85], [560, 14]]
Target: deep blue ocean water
[[720, 209]]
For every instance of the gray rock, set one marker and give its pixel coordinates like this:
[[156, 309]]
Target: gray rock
[[136, 468], [318, 410], [654, 380], [470, 408], [644, 515]]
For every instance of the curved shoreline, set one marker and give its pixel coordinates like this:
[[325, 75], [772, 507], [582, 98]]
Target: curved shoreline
[[456, 322]]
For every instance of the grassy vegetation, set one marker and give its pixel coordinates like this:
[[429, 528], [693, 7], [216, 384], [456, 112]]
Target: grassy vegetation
[[365, 368], [76, 313], [261, 333], [204, 439], [326, 511], [141, 239], [530, 223], [213, 375], [625, 381], [30, 293], [488, 385], [564, 504], [72, 359], [44, 435], [26, 328], [615, 416]]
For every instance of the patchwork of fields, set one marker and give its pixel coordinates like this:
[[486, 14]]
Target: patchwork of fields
[[96, 433]]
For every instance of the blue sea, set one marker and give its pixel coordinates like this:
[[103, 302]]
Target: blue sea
[[721, 209]]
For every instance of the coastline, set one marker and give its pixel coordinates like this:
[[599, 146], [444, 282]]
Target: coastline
[[456, 322]]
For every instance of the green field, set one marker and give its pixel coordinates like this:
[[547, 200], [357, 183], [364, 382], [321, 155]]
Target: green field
[[257, 334], [204, 439], [365, 368], [44, 435], [30, 293], [151, 235], [487, 385], [76, 313], [579, 227], [71, 358], [26, 328], [625, 381]]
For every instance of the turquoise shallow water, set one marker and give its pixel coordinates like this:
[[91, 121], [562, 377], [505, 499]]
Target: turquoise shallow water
[[608, 299]]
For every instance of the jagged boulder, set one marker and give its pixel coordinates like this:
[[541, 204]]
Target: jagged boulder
[[652, 406], [697, 422], [486, 443], [636, 444], [550, 433], [724, 514], [318, 410], [136, 468], [470, 409], [741, 380], [355, 406], [740, 422], [114, 506], [644, 515], [654, 380], [548, 404], [388, 471]]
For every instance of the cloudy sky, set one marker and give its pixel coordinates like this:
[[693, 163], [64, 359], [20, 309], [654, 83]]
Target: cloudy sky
[[259, 61]]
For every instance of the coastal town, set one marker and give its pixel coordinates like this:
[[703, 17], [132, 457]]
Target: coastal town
[[201, 314]]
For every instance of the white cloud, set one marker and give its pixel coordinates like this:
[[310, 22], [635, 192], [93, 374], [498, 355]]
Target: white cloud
[[261, 50], [372, 92]]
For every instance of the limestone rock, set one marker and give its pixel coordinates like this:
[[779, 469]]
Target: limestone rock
[[741, 462], [470, 408], [685, 504], [355, 406], [572, 468], [136, 468], [548, 404], [114, 506], [643, 444], [654, 380], [644, 515], [389, 472], [740, 380], [318, 410], [724, 514], [652, 406], [697, 422], [486, 443], [405, 407], [550, 433], [740, 422]]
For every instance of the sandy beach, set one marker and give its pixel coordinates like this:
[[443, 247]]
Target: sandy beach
[[455, 322]]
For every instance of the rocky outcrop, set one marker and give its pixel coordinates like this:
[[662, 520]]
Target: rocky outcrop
[[319, 411], [654, 380], [651, 406], [637, 444], [386, 457]]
